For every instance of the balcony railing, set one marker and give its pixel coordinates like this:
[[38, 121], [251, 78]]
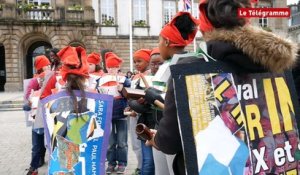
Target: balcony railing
[[74, 15], [46, 15], [35, 14]]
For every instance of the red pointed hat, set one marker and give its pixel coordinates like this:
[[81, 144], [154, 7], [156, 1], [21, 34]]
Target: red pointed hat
[[70, 57], [171, 32], [41, 61], [112, 60], [143, 53], [155, 51], [94, 58]]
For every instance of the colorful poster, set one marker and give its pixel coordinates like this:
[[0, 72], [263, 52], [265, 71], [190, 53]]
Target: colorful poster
[[77, 140], [240, 123]]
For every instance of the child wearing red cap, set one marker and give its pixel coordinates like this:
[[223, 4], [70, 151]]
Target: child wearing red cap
[[111, 83], [144, 155], [94, 60], [95, 70], [41, 64]]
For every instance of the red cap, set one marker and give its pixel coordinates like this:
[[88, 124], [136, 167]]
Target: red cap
[[94, 58], [205, 25], [112, 60], [171, 32], [143, 53], [71, 62], [155, 51], [41, 61]]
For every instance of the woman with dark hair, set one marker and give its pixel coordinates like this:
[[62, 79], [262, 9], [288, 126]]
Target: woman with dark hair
[[173, 39], [232, 40], [103, 52], [55, 61]]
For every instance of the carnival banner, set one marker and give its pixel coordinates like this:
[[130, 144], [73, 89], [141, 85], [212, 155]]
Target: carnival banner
[[240, 123], [77, 142]]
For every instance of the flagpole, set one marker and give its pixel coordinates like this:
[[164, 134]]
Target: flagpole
[[195, 44], [130, 36]]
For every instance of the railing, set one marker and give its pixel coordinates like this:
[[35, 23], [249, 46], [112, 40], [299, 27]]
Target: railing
[[74, 15], [35, 14]]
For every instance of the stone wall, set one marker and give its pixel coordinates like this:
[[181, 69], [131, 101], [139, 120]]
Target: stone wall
[[18, 38]]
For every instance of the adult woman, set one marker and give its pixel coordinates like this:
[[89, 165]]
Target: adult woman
[[232, 40], [55, 61], [173, 39]]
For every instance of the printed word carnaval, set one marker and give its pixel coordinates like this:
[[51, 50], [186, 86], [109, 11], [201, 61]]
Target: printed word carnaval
[[253, 112]]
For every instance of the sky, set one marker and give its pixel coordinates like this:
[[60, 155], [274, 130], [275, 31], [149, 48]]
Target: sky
[[292, 1]]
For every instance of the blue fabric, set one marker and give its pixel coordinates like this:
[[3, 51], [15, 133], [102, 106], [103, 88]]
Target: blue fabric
[[38, 149], [148, 161], [118, 148], [118, 108], [38, 130]]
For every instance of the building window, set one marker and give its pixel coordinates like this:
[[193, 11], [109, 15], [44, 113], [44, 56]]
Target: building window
[[140, 12], [263, 22], [196, 10], [108, 12], [169, 10]]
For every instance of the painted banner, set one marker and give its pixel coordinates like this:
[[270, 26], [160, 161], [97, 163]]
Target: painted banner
[[77, 143], [240, 123]]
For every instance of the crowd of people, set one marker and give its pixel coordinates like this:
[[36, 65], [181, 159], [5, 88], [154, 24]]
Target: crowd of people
[[229, 39]]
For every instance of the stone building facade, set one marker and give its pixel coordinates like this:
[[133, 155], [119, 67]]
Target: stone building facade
[[32, 27]]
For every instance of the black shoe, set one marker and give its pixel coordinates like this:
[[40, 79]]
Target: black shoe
[[41, 162], [32, 171]]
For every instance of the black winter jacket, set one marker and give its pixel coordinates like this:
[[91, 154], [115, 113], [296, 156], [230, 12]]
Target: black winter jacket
[[247, 50]]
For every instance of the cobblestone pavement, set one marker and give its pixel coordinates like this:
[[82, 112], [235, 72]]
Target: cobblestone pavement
[[15, 146]]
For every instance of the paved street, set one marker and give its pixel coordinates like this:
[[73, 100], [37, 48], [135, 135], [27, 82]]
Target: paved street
[[15, 147]]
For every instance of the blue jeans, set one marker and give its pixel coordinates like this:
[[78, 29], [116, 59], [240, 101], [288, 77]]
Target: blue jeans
[[148, 161], [118, 148], [38, 149]]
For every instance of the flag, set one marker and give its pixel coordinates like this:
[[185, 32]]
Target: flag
[[187, 5]]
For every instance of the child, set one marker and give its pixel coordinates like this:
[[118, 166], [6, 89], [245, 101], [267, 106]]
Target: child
[[41, 64], [95, 70], [144, 154], [112, 83]]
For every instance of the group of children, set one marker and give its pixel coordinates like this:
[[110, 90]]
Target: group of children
[[71, 69]]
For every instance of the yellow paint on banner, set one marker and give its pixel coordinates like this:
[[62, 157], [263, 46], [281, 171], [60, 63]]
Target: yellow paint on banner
[[253, 121], [270, 99], [286, 104], [198, 89]]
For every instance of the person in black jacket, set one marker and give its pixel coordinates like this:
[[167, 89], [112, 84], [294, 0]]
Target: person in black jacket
[[173, 39], [232, 40]]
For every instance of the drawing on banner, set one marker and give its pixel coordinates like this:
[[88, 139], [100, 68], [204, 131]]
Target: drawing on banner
[[77, 141], [241, 124]]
